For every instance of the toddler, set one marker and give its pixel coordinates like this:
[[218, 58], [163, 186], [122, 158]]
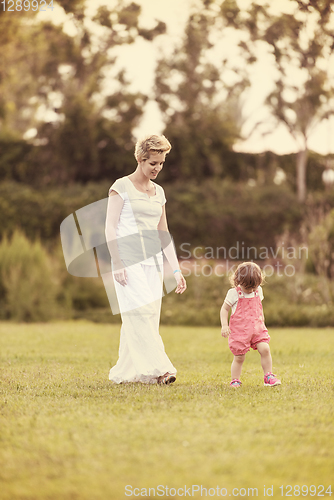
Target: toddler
[[246, 328]]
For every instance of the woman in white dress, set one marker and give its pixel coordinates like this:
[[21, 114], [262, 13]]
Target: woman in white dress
[[136, 230]]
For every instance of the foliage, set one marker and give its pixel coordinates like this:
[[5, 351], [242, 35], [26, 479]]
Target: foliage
[[300, 43], [64, 423], [201, 113], [321, 246], [39, 212], [16, 161], [53, 86], [203, 214], [66, 91], [28, 281], [23, 162], [35, 286], [298, 300], [224, 213], [316, 165], [31, 53]]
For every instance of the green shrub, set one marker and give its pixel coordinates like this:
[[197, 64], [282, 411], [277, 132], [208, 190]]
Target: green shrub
[[321, 246], [81, 298], [223, 214], [215, 213], [289, 301], [86, 293], [35, 286], [39, 212], [28, 281]]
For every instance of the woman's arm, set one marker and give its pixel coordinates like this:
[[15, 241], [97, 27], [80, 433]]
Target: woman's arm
[[224, 319], [115, 205], [167, 242], [169, 251]]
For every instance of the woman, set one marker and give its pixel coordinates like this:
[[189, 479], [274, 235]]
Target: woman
[[136, 230]]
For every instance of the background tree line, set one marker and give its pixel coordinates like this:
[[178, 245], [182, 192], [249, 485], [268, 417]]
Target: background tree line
[[54, 85]]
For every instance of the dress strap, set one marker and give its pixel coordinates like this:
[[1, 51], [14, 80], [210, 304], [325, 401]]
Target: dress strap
[[240, 292]]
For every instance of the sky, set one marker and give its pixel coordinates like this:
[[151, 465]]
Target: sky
[[139, 60]]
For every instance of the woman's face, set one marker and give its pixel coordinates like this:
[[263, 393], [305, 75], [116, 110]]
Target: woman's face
[[153, 165]]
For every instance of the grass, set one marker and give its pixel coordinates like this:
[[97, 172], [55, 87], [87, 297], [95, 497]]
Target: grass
[[67, 433]]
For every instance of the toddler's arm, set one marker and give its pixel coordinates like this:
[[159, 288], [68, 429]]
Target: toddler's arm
[[224, 319]]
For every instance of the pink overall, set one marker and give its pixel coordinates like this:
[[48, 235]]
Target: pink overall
[[247, 324]]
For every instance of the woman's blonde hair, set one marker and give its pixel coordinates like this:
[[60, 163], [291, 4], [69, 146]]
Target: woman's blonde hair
[[248, 275], [151, 144]]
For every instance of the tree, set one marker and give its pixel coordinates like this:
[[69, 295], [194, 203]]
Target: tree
[[201, 112], [301, 44], [96, 131], [30, 55], [28, 50], [85, 132]]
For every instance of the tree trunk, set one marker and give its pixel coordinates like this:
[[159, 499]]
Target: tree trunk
[[301, 174]]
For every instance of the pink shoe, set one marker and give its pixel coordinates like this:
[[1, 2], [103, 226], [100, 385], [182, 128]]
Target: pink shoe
[[235, 383], [271, 380]]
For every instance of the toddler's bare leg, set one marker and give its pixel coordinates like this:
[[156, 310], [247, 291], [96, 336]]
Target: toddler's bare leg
[[237, 366], [266, 361]]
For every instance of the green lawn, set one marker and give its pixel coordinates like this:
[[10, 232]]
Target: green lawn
[[67, 433]]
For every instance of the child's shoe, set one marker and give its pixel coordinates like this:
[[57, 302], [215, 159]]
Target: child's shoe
[[271, 380], [235, 383]]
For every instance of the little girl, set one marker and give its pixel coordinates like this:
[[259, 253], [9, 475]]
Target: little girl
[[246, 328]]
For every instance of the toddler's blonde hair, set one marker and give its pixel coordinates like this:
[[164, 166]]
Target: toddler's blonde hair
[[248, 275], [151, 144]]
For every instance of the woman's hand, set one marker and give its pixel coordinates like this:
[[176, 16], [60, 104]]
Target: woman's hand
[[121, 276], [225, 331], [181, 282]]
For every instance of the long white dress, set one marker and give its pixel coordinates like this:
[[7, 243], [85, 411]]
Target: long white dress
[[142, 356]]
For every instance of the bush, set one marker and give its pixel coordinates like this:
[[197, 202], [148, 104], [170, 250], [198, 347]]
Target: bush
[[28, 281], [222, 213], [39, 212], [214, 213], [298, 300], [35, 286], [321, 246]]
